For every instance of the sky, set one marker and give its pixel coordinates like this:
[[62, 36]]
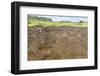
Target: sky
[[66, 18]]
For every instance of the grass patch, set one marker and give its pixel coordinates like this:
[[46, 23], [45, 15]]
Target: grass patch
[[33, 23]]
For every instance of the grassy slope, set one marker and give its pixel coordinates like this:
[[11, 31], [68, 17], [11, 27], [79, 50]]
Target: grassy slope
[[48, 23]]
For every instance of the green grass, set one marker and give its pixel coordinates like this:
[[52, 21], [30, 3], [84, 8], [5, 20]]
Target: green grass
[[48, 23]]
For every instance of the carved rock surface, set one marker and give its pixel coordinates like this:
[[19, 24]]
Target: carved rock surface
[[57, 43]]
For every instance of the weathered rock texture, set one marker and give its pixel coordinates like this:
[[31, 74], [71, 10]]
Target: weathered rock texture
[[46, 43]]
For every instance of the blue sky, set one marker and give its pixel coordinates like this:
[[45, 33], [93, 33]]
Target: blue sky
[[66, 18]]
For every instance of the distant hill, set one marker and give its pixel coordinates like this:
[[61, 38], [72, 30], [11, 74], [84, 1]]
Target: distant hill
[[39, 18]]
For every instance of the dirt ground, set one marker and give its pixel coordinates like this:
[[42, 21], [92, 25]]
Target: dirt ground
[[48, 43]]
